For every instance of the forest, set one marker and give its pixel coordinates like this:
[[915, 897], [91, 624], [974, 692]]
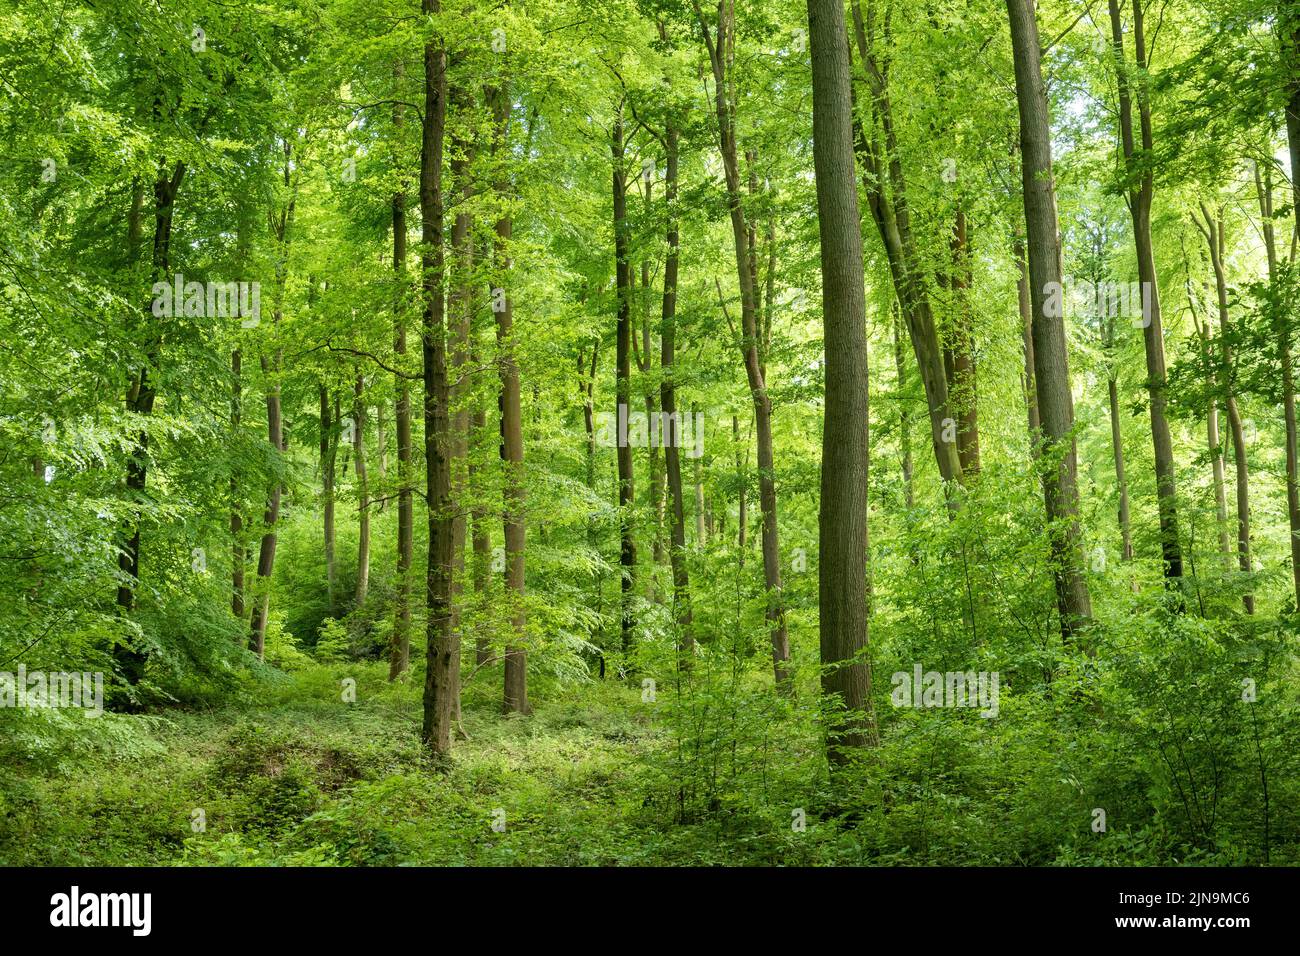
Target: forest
[[649, 433]]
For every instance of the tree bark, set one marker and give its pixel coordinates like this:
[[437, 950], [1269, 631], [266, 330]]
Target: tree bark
[[515, 698], [1051, 360], [363, 492], [623, 390], [1139, 202], [721, 52], [842, 519], [682, 614], [439, 650]]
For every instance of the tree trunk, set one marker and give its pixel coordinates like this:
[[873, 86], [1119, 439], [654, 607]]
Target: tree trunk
[[1289, 27], [439, 650], [887, 198], [842, 520], [399, 648], [1117, 448], [1051, 361], [1213, 233], [682, 616], [327, 446], [1139, 201], [1264, 190], [623, 390], [515, 698], [721, 50], [238, 551], [140, 401], [363, 492]]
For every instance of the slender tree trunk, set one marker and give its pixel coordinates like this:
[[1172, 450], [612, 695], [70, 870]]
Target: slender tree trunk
[[1214, 237], [238, 551], [271, 370], [623, 391], [515, 699], [742, 508], [1264, 190], [682, 614], [1289, 28], [1051, 360], [481, 539], [887, 198], [462, 306], [363, 492], [439, 647], [399, 648], [964, 389], [1139, 200], [721, 52], [1117, 447], [842, 520], [140, 401], [1027, 346], [904, 415], [327, 446]]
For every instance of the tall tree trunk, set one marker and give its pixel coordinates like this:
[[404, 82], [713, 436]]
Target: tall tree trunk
[[462, 306], [1213, 441], [399, 648], [721, 53], [238, 551], [1289, 28], [887, 198], [140, 401], [1213, 233], [1139, 202], [904, 415], [1051, 361], [439, 649], [271, 370], [327, 446], [623, 390], [515, 698], [1027, 343], [1264, 191], [363, 492], [1117, 444], [963, 387], [682, 614], [842, 520]]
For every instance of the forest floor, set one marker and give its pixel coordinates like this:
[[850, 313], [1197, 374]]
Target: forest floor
[[296, 776]]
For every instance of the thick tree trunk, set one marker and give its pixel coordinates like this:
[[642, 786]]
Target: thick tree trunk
[[439, 649], [1051, 361], [842, 520]]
